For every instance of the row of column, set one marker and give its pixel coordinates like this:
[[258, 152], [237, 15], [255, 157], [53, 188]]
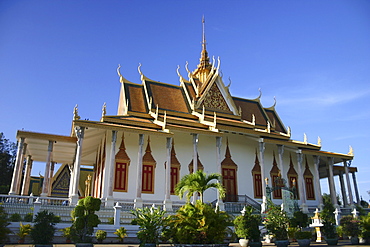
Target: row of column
[[16, 187], [301, 185]]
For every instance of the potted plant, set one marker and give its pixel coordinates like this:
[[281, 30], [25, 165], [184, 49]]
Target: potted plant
[[351, 227], [247, 227], [4, 230], [277, 223], [329, 228], [43, 230], [198, 224], [303, 238], [24, 230], [121, 233], [100, 235], [365, 228], [84, 220], [152, 222], [66, 232]]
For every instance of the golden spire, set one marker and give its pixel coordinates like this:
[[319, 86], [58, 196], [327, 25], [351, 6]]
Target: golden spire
[[204, 59]]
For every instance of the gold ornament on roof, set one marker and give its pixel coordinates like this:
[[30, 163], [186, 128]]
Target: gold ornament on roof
[[350, 151], [104, 110], [75, 113]]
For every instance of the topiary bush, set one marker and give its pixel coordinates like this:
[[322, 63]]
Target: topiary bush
[[43, 230], [84, 219]]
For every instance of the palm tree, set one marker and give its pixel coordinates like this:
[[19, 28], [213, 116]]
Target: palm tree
[[199, 182]]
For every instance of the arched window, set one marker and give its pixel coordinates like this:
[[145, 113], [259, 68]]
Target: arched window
[[122, 162], [308, 178], [275, 178], [293, 178], [229, 178], [148, 175], [257, 178]]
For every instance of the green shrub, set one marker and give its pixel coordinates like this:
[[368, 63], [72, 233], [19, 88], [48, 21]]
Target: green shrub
[[247, 225], [277, 221], [43, 230], [303, 235], [152, 223], [15, 217], [110, 220], [4, 230], [28, 217], [24, 230], [198, 224], [100, 235], [121, 233], [350, 226]]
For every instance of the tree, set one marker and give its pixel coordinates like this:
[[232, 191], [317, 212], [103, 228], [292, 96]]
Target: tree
[[198, 182], [43, 230], [7, 157]]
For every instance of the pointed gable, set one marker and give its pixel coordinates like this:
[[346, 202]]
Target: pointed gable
[[214, 99]]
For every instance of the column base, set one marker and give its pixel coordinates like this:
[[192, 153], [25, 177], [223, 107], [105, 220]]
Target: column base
[[73, 200], [109, 201], [220, 205], [167, 205], [138, 203], [304, 208], [44, 195]]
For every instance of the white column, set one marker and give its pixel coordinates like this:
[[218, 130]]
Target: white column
[[343, 189], [50, 178], [317, 181], [17, 168], [117, 214], [45, 184], [302, 184], [109, 200], [280, 158], [19, 179], [356, 188], [167, 201], [350, 196], [261, 146], [220, 203], [333, 193], [27, 177], [138, 202], [195, 160], [76, 167]]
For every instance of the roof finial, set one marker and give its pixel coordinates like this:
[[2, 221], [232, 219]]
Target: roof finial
[[204, 60], [204, 34]]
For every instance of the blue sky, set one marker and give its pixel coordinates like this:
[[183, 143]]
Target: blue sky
[[314, 56]]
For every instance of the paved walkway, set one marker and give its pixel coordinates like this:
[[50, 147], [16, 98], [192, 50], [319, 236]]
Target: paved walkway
[[342, 243]]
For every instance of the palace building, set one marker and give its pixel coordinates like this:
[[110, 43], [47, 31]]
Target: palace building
[[164, 131]]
